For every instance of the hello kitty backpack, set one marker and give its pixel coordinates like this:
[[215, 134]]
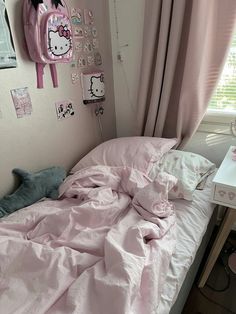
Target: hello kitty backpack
[[48, 35]]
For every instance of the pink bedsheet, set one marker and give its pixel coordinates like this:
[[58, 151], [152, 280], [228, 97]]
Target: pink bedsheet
[[104, 248]]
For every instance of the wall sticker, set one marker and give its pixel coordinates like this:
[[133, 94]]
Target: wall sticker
[[64, 109]]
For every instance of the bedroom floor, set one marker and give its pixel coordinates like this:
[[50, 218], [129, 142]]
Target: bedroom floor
[[209, 301]]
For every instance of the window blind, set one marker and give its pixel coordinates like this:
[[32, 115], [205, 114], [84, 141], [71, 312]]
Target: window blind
[[224, 97]]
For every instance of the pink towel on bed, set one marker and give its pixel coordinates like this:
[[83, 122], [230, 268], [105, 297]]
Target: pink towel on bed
[[104, 248]]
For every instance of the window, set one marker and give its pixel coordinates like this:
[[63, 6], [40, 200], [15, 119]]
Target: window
[[223, 101]]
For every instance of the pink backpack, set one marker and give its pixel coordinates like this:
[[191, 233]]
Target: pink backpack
[[48, 35]]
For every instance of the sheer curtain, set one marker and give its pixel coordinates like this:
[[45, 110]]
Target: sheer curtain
[[184, 47]]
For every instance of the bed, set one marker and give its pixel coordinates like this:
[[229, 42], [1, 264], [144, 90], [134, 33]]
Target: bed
[[113, 242], [191, 245]]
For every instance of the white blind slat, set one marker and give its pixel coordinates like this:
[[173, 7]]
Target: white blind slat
[[224, 96]]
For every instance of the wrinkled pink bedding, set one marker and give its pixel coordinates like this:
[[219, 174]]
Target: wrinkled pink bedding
[[104, 248]]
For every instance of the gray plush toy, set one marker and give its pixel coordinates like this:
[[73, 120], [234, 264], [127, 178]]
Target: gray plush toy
[[34, 186]]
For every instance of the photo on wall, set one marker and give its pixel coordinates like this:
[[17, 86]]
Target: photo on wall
[[64, 109], [7, 51]]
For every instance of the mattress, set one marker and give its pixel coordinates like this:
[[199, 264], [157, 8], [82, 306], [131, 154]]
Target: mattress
[[192, 221]]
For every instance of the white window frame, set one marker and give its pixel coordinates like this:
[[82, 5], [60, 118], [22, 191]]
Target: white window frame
[[219, 116]]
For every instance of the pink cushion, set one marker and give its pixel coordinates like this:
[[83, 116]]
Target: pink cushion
[[136, 152]]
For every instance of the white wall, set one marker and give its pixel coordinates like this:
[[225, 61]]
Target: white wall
[[40, 140], [126, 73], [212, 141]]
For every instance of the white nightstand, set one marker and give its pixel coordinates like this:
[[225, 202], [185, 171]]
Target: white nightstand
[[223, 193]]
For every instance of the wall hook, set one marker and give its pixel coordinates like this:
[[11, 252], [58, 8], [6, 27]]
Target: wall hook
[[99, 111]]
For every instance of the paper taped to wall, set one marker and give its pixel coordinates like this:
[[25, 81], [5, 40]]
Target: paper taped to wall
[[22, 101]]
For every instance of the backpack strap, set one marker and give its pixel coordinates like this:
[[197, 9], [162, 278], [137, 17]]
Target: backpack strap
[[53, 71], [40, 72]]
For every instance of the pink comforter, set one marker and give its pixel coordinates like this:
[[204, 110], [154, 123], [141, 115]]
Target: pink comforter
[[104, 248]]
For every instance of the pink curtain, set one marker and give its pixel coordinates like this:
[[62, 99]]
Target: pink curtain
[[184, 48]]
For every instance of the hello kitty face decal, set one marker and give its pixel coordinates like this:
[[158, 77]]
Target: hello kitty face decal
[[59, 41], [97, 87]]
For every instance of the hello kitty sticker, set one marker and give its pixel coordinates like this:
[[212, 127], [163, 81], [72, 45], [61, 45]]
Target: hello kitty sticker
[[86, 54], [59, 38], [59, 41], [76, 16], [93, 87], [88, 17], [97, 86]]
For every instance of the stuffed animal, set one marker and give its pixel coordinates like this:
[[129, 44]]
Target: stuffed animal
[[34, 186]]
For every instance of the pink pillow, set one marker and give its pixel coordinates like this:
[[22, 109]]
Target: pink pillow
[[137, 152]]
